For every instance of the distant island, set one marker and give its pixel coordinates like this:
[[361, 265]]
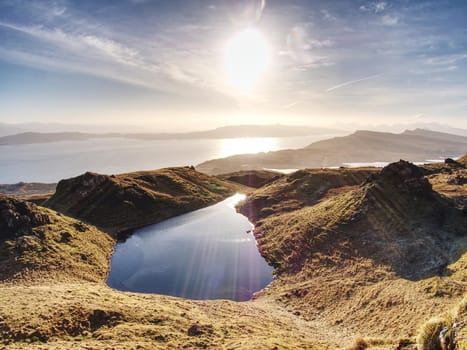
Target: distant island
[[417, 145], [235, 131]]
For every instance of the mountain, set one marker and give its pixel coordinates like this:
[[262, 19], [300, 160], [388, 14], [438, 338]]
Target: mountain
[[236, 131], [38, 127], [121, 203], [10, 129], [34, 137], [362, 146], [398, 128]]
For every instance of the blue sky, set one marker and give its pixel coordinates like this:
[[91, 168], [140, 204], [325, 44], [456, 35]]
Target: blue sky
[[161, 63]]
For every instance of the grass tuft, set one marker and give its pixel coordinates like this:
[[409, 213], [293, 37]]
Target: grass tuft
[[428, 338]]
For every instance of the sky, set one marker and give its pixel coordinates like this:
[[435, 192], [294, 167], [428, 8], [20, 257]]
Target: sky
[[174, 65]]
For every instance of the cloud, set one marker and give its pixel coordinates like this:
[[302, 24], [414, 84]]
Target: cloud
[[328, 16], [300, 48], [77, 42], [103, 57], [351, 82], [446, 60], [374, 7], [291, 105], [389, 20]]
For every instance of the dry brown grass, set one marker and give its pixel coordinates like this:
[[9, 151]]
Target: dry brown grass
[[428, 337], [93, 316], [455, 321], [63, 249], [377, 260], [53, 296], [332, 283], [121, 203]]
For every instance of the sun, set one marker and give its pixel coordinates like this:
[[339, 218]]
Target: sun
[[246, 59]]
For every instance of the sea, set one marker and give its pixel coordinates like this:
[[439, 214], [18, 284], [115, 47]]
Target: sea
[[51, 162]]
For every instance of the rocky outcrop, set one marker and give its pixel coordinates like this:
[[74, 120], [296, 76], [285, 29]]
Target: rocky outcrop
[[18, 218], [38, 243]]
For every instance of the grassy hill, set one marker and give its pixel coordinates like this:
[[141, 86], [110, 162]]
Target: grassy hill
[[302, 188], [361, 146], [356, 252], [53, 296], [119, 203], [378, 259], [252, 178], [36, 242]]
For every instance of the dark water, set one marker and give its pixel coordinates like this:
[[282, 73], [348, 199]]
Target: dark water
[[206, 254]]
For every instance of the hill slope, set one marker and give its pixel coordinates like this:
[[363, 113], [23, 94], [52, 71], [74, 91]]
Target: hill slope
[[119, 203], [302, 188], [378, 259], [361, 146], [37, 242], [53, 296], [252, 178]]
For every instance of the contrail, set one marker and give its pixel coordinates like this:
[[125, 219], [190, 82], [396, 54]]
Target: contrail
[[352, 82]]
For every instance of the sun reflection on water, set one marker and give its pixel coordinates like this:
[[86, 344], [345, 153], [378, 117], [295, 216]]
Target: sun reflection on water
[[247, 145]]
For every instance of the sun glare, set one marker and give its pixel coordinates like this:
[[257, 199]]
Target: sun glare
[[247, 145], [246, 58]]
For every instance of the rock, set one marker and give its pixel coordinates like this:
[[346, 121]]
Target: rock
[[18, 218], [405, 176], [450, 161], [100, 318], [197, 330]]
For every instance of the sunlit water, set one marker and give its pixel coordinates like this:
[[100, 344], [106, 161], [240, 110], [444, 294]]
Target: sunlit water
[[52, 162], [206, 254]]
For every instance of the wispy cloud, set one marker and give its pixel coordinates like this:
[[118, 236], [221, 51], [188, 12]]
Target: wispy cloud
[[389, 20], [79, 42], [374, 7], [302, 49], [328, 16], [291, 105], [101, 56], [446, 60], [351, 82]]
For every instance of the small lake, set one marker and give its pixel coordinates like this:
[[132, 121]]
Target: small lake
[[209, 253]]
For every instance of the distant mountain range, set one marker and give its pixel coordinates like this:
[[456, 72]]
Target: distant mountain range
[[398, 128], [39, 127], [362, 146], [237, 131]]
